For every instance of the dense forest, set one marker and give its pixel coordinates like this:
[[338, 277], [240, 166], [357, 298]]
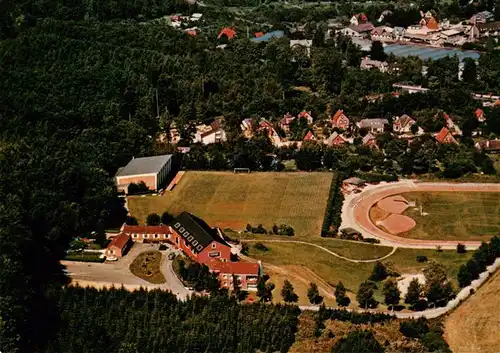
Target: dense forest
[[116, 320], [86, 85]]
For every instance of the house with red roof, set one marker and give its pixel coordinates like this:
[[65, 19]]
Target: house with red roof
[[340, 120], [370, 140], [309, 136], [402, 124], [335, 140], [227, 32], [247, 274], [489, 146], [479, 113], [213, 133], [118, 246], [445, 136], [258, 34], [306, 115], [358, 19], [148, 233], [286, 121]]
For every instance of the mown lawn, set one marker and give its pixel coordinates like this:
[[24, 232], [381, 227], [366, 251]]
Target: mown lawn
[[333, 269], [454, 215], [231, 200]]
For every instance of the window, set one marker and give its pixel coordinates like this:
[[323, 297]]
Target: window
[[214, 253], [156, 236], [214, 245], [134, 235], [146, 236]]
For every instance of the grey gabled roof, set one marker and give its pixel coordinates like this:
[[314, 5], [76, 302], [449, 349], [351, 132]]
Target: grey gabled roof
[[195, 231], [144, 165]]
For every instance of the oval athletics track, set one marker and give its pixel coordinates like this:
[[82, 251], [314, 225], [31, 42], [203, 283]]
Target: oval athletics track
[[364, 201]]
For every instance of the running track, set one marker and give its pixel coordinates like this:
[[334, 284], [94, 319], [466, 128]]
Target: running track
[[355, 212]]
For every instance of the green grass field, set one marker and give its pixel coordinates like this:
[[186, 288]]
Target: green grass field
[[231, 200], [454, 215], [333, 269]]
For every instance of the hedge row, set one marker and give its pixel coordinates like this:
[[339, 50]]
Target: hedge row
[[484, 256], [333, 218], [84, 258], [376, 177]]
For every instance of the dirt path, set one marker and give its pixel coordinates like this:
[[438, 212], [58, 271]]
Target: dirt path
[[473, 327], [325, 249], [356, 209]]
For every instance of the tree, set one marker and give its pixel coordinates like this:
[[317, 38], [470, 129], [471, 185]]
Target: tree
[[265, 290], [358, 342], [365, 294], [313, 294], [131, 221], [153, 219], [461, 248], [379, 272], [414, 291], [464, 276], [166, 218], [377, 51], [287, 293], [340, 297], [438, 288], [391, 293], [469, 73]]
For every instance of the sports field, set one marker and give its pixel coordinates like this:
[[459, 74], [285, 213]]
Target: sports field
[[454, 215], [231, 200], [473, 326]]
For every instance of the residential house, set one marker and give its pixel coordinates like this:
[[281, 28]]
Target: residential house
[[286, 121], [479, 113], [429, 21], [410, 88], [247, 127], [370, 140], [399, 33], [151, 170], [271, 132], [362, 30], [140, 234], [402, 124], [335, 140], [340, 120], [445, 136], [480, 30], [368, 64], [482, 17], [489, 146], [374, 126], [450, 124], [213, 133], [382, 34], [358, 19], [309, 136], [118, 246], [227, 32], [247, 274], [306, 115]]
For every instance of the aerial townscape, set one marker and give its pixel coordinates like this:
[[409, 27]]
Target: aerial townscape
[[248, 176]]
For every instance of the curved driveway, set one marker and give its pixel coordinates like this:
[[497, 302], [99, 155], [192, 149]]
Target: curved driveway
[[356, 208]]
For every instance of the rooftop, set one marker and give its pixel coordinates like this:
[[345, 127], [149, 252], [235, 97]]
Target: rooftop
[[119, 241], [144, 165], [195, 231]]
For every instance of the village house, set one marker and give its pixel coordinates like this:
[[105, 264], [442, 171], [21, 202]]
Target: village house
[[488, 146], [140, 234], [340, 120], [368, 64], [402, 124], [247, 274], [374, 126], [382, 34], [445, 136], [482, 17], [285, 122], [450, 124], [358, 19], [370, 140], [306, 115], [335, 140], [227, 33], [481, 30], [265, 125], [118, 246], [247, 127], [151, 170], [213, 133], [479, 113], [362, 30], [301, 43], [309, 136]]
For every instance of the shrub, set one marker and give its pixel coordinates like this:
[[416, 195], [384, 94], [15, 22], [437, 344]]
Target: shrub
[[260, 246], [162, 247], [461, 248], [421, 258], [153, 219], [359, 342], [379, 272], [414, 328], [244, 248]]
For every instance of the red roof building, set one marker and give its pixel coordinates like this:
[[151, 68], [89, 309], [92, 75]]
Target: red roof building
[[286, 121], [309, 136], [118, 246], [480, 115], [228, 32], [306, 115], [370, 141], [246, 273], [445, 136], [258, 34], [335, 140], [340, 120], [148, 233]]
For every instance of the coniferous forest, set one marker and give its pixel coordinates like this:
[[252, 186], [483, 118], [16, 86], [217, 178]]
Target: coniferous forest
[[116, 320]]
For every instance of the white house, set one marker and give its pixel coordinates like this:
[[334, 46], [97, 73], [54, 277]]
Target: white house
[[213, 133], [375, 126]]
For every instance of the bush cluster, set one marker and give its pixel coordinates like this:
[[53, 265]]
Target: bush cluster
[[484, 256], [283, 229], [376, 177], [431, 337]]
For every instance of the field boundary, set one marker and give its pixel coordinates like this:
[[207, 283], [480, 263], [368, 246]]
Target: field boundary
[[355, 212]]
